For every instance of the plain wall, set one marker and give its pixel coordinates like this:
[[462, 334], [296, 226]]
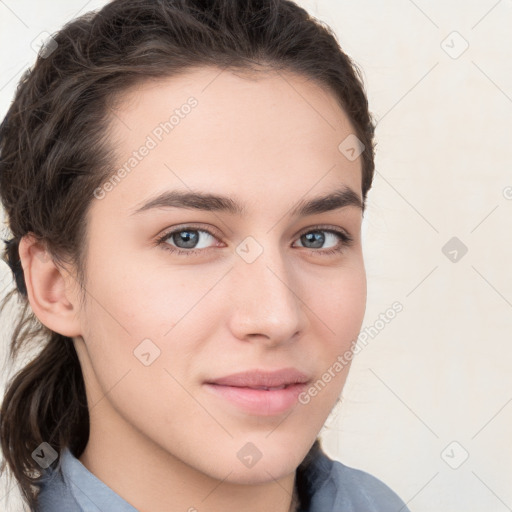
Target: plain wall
[[427, 405]]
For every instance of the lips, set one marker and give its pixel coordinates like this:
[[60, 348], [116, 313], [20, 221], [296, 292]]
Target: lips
[[259, 392], [265, 380]]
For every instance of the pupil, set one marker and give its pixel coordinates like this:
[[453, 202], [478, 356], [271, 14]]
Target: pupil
[[188, 237], [316, 236]]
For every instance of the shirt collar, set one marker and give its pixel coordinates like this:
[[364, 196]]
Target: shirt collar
[[87, 489], [92, 494]]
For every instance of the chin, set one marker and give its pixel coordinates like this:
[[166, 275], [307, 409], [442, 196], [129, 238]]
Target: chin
[[258, 461], [260, 473]]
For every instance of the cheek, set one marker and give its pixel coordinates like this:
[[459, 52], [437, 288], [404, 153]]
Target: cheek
[[139, 300], [340, 302], [337, 312], [137, 356], [145, 316]]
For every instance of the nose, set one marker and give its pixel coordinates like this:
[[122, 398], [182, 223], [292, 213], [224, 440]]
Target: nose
[[266, 303]]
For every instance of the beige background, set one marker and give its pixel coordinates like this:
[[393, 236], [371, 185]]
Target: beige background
[[433, 386]]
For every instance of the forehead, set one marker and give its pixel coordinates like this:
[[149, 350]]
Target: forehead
[[272, 135]]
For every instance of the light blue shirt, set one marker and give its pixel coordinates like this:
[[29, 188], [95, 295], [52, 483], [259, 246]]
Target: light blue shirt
[[328, 486]]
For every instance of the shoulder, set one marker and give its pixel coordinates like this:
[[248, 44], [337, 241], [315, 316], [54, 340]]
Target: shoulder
[[71, 487], [364, 490], [54, 495], [335, 486]]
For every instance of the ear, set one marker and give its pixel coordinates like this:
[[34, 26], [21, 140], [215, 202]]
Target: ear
[[51, 290]]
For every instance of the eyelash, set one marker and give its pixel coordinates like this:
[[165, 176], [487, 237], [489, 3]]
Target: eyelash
[[345, 241]]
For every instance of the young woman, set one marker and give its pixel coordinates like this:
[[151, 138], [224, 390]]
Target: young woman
[[185, 182]]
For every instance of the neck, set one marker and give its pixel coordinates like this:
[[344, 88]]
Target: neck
[[153, 479]]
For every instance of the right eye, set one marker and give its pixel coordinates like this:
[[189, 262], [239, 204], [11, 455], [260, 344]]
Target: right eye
[[189, 236]]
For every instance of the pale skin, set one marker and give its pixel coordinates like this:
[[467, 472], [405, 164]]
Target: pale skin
[[157, 437]]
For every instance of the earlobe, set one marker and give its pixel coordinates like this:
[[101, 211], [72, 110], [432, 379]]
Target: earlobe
[[49, 288]]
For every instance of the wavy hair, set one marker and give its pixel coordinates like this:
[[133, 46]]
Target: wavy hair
[[54, 152]]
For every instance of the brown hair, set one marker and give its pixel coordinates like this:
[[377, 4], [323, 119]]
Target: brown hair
[[54, 153]]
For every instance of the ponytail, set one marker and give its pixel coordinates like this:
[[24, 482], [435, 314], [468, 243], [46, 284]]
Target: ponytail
[[45, 401]]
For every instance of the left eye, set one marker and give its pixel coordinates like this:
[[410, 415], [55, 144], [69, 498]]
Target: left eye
[[318, 237], [189, 238], [185, 240]]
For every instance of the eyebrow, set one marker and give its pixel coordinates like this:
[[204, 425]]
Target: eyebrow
[[340, 198]]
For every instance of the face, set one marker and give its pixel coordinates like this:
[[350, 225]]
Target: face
[[183, 292]]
